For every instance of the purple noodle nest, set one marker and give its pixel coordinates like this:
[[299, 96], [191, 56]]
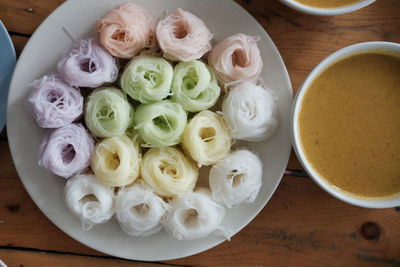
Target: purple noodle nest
[[53, 103], [66, 151], [87, 64]]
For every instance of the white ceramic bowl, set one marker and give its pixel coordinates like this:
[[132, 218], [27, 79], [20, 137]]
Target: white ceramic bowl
[[384, 202], [327, 11]]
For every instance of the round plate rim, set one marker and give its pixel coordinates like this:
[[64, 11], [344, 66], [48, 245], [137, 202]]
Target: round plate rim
[[210, 244]]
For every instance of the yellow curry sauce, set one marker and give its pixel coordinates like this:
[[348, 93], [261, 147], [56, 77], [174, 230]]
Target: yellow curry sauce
[[349, 124], [327, 3]]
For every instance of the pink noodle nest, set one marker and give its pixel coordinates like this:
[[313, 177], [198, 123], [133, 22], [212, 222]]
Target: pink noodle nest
[[183, 37], [53, 103], [66, 151], [237, 58], [87, 64], [126, 30]]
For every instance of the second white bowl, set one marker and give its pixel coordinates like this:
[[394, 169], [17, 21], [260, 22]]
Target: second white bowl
[[327, 11]]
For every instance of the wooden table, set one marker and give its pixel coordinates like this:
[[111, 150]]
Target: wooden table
[[301, 224]]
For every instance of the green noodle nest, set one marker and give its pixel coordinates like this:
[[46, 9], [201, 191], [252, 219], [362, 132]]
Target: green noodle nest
[[108, 113], [160, 124], [147, 79], [194, 86]]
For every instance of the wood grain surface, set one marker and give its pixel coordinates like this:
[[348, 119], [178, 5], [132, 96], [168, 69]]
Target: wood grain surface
[[300, 226]]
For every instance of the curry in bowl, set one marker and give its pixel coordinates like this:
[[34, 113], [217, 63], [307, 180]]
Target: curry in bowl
[[349, 124]]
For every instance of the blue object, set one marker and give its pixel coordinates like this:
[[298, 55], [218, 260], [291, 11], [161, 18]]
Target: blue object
[[7, 64]]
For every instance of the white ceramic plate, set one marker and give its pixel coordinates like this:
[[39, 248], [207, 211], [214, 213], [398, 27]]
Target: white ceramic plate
[[224, 18]]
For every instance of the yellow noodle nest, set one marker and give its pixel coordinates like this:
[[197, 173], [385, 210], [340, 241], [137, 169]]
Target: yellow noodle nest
[[207, 138], [168, 171], [116, 161]]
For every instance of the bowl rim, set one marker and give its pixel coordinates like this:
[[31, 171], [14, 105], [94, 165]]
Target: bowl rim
[[9, 59], [327, 11], [381, 202]]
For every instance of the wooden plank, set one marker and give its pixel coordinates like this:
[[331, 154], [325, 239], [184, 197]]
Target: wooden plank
[[25, 16], [13, 257], [19, 43], [301, 223], [294, 163]]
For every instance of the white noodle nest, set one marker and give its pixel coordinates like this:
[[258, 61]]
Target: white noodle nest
[[250, 112], [139, 210], [89, 200], [236, 179], [193, 215]]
